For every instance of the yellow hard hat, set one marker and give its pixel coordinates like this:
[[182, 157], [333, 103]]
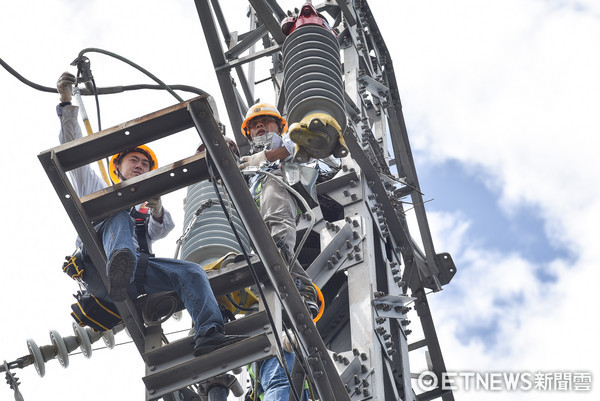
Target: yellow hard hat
[[262, 109], [143, 149]]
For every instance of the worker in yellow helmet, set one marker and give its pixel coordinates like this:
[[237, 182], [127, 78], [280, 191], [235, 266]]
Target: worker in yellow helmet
[[270, 151], [127, 237]]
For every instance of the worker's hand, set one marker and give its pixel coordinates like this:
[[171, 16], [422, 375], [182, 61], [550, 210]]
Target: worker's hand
[[65, 86], [286, 343], [253, 161], [155, 206]]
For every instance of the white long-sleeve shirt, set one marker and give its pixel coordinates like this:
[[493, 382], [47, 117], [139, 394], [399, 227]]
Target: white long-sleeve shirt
[[85, 181]]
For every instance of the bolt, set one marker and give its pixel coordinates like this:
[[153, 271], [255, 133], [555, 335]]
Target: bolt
[[363, 356], [380, 330], [346, 192], [395, 271], [338, 254], [365, 392], [329, 264], [389, 344], [348, 244], [356, 248], [350, 256], [363, 368], [355, 223], [335, 356], [346, 361], [405, 322], [353, 197], [387, 336], [358, 257], [352, 183], [391, 351], [365, 383], [356, 379], [355, 234], [380, 320], [355, 352], [334, 259]]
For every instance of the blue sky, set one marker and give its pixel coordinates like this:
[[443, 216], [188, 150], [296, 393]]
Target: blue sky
[[452, 187], [500, 100]]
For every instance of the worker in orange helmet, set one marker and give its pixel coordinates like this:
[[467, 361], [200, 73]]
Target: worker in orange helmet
[[127, 237], [272, 151]]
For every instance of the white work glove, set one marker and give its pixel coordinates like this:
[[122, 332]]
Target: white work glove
[[155, 206], [286, 344], [65, 86], [253, 161]]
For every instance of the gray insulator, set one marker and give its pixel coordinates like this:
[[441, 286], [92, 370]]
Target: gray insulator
[[313, 74], [211, 236]]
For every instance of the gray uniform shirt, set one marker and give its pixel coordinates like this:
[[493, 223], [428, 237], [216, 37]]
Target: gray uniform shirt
[[85, 181]]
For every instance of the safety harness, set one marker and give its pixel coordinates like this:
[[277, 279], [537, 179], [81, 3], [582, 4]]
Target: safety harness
[[141, 228]]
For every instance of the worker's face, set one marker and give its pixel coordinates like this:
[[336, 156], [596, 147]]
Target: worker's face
[[261, 125], [133, 164]]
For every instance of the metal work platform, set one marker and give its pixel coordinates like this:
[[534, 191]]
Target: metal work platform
[[372, 271]]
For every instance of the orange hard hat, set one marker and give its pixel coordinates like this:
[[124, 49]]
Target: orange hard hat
[[262, 109], [143, 149]]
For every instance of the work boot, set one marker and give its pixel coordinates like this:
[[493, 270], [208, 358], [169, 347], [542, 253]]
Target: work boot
[[309, 294], [213, 341], [120, 268]]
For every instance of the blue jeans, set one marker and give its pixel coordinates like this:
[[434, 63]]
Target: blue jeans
[[273, 380], [187, 279]]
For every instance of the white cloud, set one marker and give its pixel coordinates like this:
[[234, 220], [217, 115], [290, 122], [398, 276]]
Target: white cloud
[[507, 88]]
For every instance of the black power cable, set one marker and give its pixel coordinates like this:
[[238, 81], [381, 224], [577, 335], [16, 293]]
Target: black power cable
[[109, 90]]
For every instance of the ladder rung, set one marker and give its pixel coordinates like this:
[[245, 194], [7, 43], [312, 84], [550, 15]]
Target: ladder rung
[[136, 132], [181, 350], [201, 368], [136, 190]]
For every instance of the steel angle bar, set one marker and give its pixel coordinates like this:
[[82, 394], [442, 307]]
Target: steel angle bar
[[433, 345], [327, 263], [134, 191], [246, 59], [247, 42], [355, 378], [328, 382], [265, 14], [148, 128], [392, 306], [206, 366], [181, 351], [400, 236], [234, 109]]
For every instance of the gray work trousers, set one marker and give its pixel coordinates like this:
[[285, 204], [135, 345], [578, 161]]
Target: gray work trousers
[[278, 209]]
